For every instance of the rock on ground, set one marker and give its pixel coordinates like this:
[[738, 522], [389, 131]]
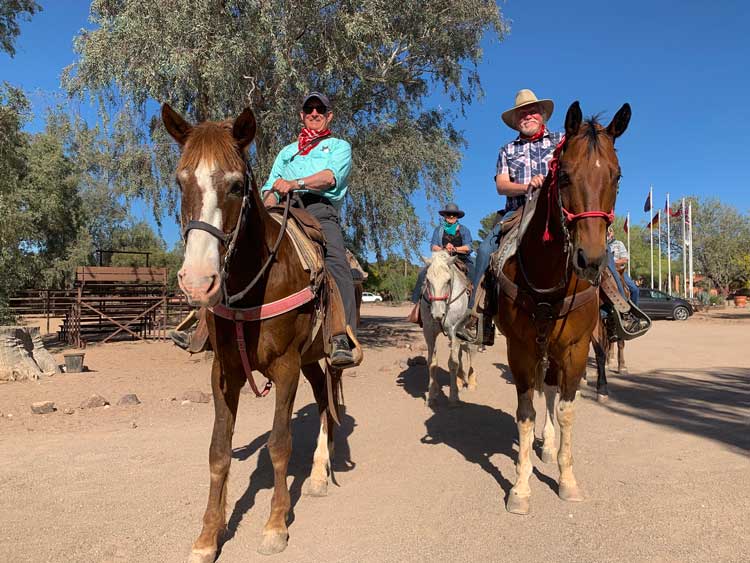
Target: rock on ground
[[94, 401], [194, 396], [129, 399], [43, 407]]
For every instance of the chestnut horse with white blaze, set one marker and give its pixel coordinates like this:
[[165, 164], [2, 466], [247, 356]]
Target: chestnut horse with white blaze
[[546, 302], [237, 259]]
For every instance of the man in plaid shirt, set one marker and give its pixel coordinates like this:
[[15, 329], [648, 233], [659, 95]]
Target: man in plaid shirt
[[521, 167]]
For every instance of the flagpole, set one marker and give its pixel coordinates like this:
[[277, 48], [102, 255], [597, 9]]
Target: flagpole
[[651, 229], [669, 251], [684, 252], [628, 233], [658, 250], [690, 235]]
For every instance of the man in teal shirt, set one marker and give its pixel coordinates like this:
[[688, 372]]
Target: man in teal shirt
[[317, 168]]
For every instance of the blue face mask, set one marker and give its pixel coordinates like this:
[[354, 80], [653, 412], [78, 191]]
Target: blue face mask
[[450, 229]]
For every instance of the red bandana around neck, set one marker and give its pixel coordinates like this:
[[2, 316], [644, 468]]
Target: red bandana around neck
[[535, 136], [306, 137]]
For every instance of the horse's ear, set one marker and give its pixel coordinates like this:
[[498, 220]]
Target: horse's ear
[[427, 261], [573, 120], [619, 121], [176, 126], [243, 129]]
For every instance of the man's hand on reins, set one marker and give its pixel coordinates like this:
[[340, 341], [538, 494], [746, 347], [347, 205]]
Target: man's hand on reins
[[283, 187]]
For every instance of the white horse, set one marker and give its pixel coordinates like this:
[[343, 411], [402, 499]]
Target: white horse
[[442, 305]]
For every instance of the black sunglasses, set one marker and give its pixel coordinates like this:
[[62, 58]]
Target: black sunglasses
[[321, 109]]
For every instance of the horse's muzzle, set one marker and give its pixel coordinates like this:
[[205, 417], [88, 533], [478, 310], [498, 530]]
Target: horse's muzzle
[[200, 291], [589, 268]]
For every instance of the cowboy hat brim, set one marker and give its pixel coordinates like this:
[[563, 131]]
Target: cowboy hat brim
[[548, 106], [444, 212]]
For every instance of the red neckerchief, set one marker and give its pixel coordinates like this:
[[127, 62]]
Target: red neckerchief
[[535, 136], [306, 137]]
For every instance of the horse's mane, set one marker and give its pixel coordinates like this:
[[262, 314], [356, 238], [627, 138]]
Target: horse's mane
[[439, 261], [212, 142]]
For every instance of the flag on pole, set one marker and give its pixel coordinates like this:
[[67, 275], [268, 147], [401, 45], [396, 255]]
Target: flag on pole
[[647, 205], [625, 226], [655, 221], [677, 213]]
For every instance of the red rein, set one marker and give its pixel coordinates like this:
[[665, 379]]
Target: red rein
[[552, 191]]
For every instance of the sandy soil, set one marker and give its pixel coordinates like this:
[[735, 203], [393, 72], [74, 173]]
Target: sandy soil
[[664, 464]]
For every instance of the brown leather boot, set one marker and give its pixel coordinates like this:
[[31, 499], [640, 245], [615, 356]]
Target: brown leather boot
[[414, 315]]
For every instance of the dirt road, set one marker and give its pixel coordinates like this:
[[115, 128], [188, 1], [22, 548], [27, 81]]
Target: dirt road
[[664, 464]]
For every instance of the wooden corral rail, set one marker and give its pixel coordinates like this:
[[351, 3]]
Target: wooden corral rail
[[115, 302]]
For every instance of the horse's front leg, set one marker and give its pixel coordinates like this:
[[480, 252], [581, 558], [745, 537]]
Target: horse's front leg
[[571, 375], [430, 336], [226, 391], [466, 366], [549, 448], [519, 497], [453, 367], [621, 367], [318, 484], [285, 374]]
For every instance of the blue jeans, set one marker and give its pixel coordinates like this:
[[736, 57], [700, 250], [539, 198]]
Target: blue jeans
[[634, 293], [487, 247]]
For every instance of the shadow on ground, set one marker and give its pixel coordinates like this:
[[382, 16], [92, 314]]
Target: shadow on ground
[[384, 332], [305, 427], [476, 431], [713, 403]]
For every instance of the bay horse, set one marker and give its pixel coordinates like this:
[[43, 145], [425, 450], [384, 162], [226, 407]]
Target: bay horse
[[545, 298], [442, 306], [233, 243]]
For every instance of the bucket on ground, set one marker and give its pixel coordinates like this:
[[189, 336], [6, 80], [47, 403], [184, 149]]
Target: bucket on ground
[[73, 362]]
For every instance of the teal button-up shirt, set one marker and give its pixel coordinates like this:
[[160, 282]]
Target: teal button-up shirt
[[330, 154]]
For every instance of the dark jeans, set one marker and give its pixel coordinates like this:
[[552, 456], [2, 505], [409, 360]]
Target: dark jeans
[[336, 261], [634, 293], [417, 291], [486, 247]]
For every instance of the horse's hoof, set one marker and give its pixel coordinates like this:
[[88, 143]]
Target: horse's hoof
[[517, 504], [602, 397], [549, 455], [317, 488], [273, 542], [570, 493], [207, 555], [623, 371]]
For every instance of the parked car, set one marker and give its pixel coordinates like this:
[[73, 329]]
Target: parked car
[[368, 297], [659, 305]]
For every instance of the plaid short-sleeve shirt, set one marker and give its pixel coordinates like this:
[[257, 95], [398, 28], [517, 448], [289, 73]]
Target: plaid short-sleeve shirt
[[521, 160]]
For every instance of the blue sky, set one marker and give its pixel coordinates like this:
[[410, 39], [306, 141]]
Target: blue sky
[[682, 65]]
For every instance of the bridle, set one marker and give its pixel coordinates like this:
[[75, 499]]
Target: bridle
[[428, 296], [567, 219], [229, 240]]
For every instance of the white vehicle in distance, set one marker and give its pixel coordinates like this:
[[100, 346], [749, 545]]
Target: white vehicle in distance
[[368, 297]]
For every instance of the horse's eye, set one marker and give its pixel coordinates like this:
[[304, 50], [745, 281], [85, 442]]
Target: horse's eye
[[564, 179], [236, 189]]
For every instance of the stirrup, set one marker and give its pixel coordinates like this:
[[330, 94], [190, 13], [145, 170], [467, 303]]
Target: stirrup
[[462, 331], [623, 333]]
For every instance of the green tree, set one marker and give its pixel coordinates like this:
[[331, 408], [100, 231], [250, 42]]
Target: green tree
[[210, 59], [11, 11], [394, 278]]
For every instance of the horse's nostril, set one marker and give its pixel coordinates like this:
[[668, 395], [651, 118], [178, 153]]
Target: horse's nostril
[[581, 257]]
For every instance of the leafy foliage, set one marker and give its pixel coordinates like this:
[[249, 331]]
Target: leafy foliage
[[10, 12], [378, 61], [394, 278]]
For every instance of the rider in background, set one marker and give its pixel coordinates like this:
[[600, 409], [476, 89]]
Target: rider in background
[[522, 166], [316, 167], [618, 259], [453, 237]]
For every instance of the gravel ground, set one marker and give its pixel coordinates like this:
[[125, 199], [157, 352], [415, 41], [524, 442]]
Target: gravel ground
[[664, 463]]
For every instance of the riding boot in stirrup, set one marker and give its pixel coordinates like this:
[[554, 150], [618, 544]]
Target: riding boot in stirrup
[[341, 352]]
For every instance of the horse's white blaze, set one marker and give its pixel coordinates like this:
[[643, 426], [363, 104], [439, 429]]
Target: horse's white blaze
[[202, 249]]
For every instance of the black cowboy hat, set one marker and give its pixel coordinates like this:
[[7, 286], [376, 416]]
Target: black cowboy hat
[[451, 209], [317, 95]]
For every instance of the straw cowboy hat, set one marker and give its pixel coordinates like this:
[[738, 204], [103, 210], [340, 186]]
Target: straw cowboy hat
[[451, 209], [526, 98]]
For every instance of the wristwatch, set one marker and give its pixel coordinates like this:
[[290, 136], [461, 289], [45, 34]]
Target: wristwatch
[[300, 184]]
